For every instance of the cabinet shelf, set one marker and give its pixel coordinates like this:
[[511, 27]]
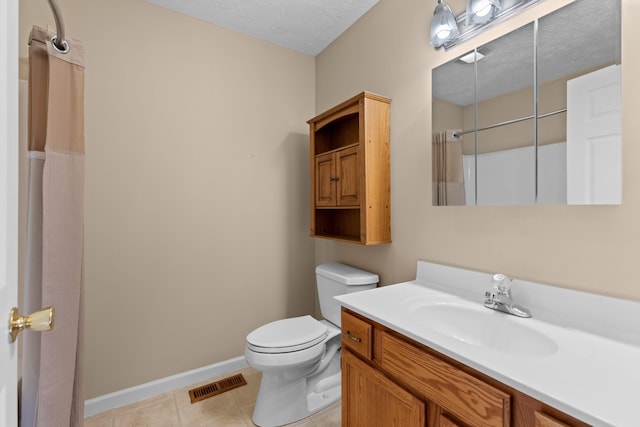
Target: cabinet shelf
[[336, 207], [338, 223], [337, 134], [350, 168], [355, 144]]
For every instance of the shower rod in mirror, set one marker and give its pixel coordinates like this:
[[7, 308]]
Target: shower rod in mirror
[[457, 134]]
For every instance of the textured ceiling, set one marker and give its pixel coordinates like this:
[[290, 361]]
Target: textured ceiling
[[580, 36], [306, 26]]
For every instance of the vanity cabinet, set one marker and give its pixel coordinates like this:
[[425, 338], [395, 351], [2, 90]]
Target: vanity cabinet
[[384, 371], [350, 169]]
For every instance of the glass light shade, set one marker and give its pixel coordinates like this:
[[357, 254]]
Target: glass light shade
[[482, 11], [443, 26]]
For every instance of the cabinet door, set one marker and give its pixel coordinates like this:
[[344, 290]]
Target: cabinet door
[[325, 180], [544, 420], [348, 176], [370, 399]]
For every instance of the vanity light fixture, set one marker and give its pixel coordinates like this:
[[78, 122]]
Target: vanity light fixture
[[482, 11], [448, 30], [444, 28]]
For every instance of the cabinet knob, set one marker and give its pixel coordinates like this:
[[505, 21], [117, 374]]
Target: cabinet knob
[[334, 178]]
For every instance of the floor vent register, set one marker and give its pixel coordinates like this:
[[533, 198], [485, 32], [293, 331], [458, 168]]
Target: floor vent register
[[217, 387]]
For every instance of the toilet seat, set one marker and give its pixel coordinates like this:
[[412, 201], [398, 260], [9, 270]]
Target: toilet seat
[[287, 335]]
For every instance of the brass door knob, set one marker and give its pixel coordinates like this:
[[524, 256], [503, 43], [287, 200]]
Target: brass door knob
[[39, 321]]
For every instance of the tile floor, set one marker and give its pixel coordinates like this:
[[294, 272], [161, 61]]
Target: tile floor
[[229, 409]]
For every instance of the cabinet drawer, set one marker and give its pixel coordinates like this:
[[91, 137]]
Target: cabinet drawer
[[356, 334], [466, 397]]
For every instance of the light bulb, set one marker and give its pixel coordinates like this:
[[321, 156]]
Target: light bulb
[[444, 28], [483, 11], [443, 33]]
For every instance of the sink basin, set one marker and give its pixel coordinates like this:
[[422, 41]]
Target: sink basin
[[482, 327]]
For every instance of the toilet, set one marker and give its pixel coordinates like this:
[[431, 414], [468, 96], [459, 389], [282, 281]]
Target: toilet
[[299, 357]]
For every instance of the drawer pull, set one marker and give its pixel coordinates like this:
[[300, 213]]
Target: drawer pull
[[352, 338]]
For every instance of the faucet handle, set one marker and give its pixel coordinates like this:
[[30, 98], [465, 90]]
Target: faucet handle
[[502, 283]]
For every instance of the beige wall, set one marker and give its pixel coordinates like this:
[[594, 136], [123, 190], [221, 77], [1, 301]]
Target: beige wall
[[592, 248], [447, 116], [196, 188]]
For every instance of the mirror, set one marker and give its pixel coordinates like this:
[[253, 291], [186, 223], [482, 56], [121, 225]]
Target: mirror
[[533, 117]]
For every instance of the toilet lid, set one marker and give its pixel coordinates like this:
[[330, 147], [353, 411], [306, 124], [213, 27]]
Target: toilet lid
[[286, 335]]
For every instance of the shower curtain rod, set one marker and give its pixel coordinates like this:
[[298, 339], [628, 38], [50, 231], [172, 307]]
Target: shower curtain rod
[[509, 122], [58, 41]]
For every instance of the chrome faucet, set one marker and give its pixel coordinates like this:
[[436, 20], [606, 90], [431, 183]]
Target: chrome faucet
[[499, 297]]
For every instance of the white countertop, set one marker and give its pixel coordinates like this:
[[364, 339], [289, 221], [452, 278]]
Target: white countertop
[[594, 375]]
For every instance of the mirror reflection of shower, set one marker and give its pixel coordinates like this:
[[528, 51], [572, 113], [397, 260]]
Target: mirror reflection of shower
[[528, 138]]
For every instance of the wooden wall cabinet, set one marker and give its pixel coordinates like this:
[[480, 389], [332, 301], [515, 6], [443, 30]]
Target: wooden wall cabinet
[[350, 171], [388, 377]]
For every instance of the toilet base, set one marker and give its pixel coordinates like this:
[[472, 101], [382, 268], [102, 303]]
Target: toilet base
[[283, 401]]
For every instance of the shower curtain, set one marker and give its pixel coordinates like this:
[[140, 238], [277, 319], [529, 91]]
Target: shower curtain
[[447, 170], [52, 364]]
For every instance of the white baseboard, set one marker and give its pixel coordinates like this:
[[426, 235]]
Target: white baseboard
[[154, 388]]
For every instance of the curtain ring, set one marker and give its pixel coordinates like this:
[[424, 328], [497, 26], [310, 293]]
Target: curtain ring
[[64, 46]]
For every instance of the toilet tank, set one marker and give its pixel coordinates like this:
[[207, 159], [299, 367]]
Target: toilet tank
[[335, 279]]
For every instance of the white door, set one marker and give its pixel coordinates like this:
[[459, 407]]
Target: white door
[[8, 208], [594, 137]]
